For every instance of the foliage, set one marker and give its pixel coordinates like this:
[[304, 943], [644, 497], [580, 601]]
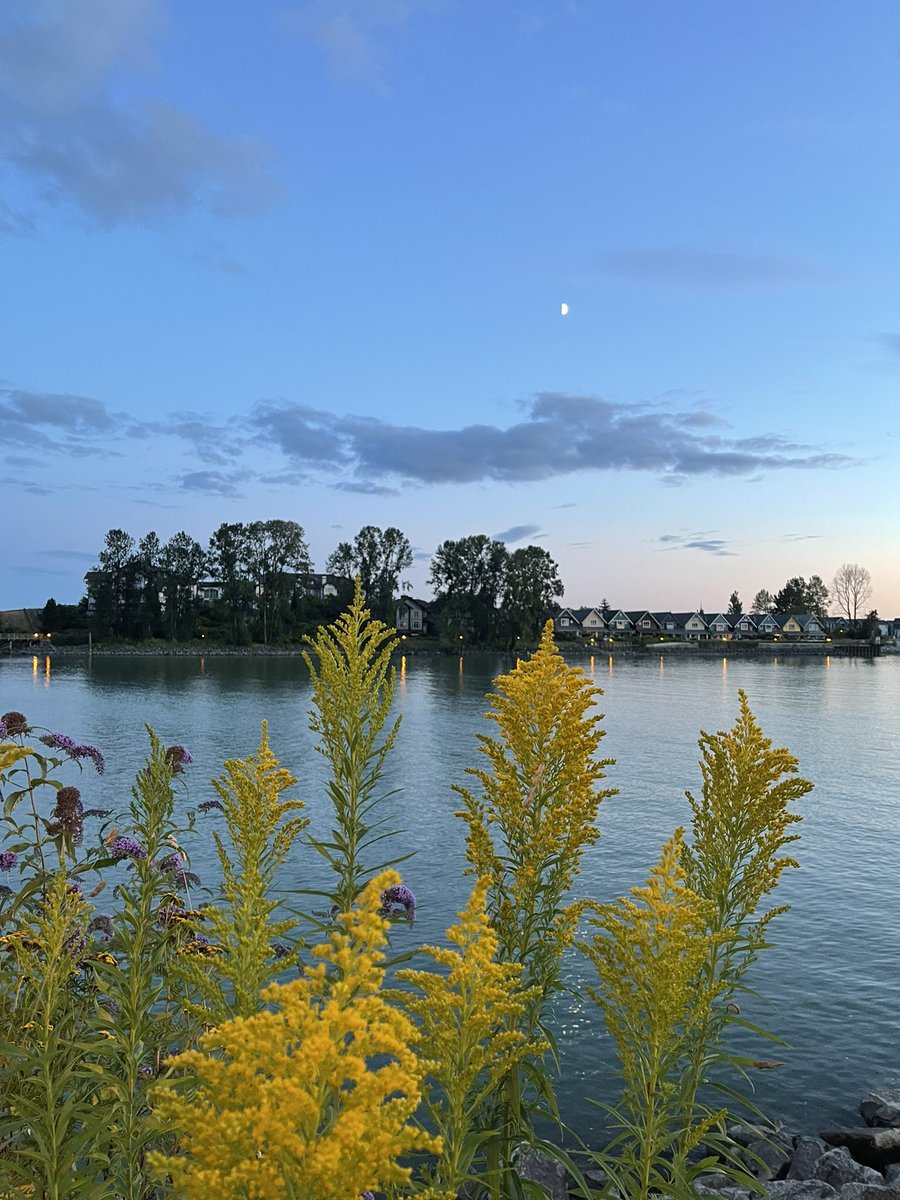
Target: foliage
[[311, 1097], [378, 557], [469, 1016], [763, 602], [531, 585], [353, 686], [741, 825], [262, 832], [467, 577], [324, 1086], [527, 832], [852, 588], [735, 608], [801, 596], [649, 952]]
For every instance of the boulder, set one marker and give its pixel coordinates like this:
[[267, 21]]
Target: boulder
[[869, 1191], [536, 1168], [837, 1168], [807, 1152], [892, 1175], [874, 1147], [768, 1158], [800, 1189], [881, 1107]]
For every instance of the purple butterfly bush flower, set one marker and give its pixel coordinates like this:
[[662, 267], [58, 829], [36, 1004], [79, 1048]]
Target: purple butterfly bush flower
[[170, 864], [209, 805], [126, 847], [69, 814], [4, 890], [8, 859], [178, 757], [14, 723], [62, 741], [398, 897]]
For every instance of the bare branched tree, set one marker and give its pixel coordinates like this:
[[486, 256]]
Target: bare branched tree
[[852, 588]]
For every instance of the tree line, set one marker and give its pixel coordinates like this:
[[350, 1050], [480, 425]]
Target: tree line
[[146, 589], [851, 590]]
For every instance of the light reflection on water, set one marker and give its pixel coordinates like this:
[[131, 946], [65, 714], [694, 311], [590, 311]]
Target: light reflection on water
[[831, 982]]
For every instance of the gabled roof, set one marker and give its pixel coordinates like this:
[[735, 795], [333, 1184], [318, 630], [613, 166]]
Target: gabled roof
[[683, 617]]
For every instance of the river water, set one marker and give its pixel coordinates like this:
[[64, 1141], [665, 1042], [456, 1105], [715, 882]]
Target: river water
[[831, 984]]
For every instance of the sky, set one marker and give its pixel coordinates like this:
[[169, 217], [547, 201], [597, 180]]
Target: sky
[[307, 261]]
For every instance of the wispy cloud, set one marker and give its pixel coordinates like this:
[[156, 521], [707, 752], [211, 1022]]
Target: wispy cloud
[[711, 268], [118, 162], [354, 35], [697, 541], [516, 533]]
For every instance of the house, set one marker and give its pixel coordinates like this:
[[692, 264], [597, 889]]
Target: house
[[666, 623], [746, 625], [412, 617], [591, 620], [209, 591], [693, 625], [644, 623], [619, 623], [720, 625], [767, 625], [568, 621]]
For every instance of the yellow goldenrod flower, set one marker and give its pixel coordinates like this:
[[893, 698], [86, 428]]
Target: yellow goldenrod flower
[[312, 1096]]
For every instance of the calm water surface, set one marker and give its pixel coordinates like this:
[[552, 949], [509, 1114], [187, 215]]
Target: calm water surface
[[831, 984]]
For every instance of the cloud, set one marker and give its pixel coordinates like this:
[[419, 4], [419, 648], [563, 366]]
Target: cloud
[[354, 34], [516, 533], [141, 161], [697, 541], [560, 435], [56, 422], [213, 483], [710, 268]]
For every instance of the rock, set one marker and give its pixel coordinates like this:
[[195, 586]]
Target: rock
[[807, 1152], [881, 1107], [892, 1175], [768, 1158], [800, 1189], [837, 1168], [549, 1175], [744, 1134], [874, 1147], [712, 1181], [868, 1191]]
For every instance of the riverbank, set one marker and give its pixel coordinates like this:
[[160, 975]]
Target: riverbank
[[575, 652]]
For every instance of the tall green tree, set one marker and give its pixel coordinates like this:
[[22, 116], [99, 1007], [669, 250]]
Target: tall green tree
[[276, 550], [531, 588], [110, 585], [800, 596], [151, 574], [227, 562], [183, 563], [468, 577], [763, 602], [378, 557], [735, 608]]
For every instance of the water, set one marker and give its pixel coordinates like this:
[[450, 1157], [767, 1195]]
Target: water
[[831, 983]]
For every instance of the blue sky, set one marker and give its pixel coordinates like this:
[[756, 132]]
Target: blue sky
[[306, 261]]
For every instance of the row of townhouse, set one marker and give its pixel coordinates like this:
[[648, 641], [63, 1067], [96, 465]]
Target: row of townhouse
[[689, 626]]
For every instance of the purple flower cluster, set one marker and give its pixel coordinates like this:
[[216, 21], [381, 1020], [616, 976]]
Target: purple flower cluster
[[126, 847], [69, 815], [8, 859], [62, 741], [209, 805], [170, 864], [178, 757], [399, 898], [12, 724]]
